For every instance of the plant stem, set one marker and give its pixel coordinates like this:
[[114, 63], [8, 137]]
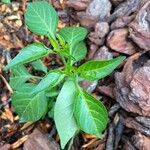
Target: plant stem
[[63, 60], [53, 42]]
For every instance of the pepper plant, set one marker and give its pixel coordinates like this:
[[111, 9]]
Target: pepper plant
[[58, 92]]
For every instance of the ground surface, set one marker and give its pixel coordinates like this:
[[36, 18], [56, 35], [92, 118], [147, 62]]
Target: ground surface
[[116, 27]]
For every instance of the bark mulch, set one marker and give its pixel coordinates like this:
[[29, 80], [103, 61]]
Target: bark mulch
[[116, 27]]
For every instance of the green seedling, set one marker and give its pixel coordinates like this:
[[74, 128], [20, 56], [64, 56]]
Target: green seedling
[[58, 93]]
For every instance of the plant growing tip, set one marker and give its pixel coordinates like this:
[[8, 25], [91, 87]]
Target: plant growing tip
[[73, 108]]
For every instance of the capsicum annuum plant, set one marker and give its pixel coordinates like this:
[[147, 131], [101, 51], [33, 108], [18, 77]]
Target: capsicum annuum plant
[[59, 91]]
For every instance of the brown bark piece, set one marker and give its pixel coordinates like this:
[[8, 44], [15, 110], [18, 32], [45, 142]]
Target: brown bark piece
[[131, 123], [93, 37], [125, 9], [106, 90], [140, 88], [122, 22], [98, 36], [141, 141], [145, 121], [56, 4], [140, 28], [78, 4], [128, 145], [113, 110], [116, 2], [101, 147], [86, 20], [102, 29], [143, 2], [111, 138], [133, 85], [118, 133], [5, 147], [102, 53], [93, 48], [117, 40], [39, 141], [99, 8]]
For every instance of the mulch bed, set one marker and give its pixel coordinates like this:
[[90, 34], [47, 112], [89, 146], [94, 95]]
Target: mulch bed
[[116, 27]]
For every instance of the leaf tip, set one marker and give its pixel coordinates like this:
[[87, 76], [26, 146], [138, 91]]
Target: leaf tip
[[62, 145]]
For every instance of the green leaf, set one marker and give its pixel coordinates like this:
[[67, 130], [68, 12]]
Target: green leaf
[[94, 70], [52, 92], [91, 115], [38, 65], [50, 80], [73, 35], [41, 18], [29, 108], [30, 53], [78, 52], [20, 70], [26, 88], [51, 109], [63, 113], [5, 1], [19, 76]]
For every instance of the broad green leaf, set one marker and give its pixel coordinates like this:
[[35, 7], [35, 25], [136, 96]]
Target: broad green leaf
[[78, 52], [38, 65], [19, 76], [50, 80], [26, 88], [73, 35], [41, 18], [30, 53], [5, 1], [63, 113], [29, 108], [91, 115], [94, 70], [20, 70]]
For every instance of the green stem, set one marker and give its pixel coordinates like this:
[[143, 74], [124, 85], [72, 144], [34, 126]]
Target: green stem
[[63, 60], [53, 42]]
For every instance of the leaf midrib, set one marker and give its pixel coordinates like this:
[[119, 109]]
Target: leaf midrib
[[82, 94], [28, 105], [42, 20], [96, 69]]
